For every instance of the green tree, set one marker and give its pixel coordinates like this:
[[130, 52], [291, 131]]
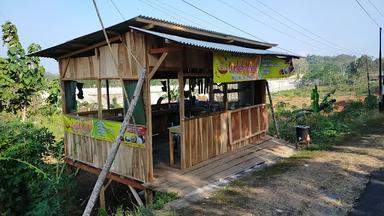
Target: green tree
[[21, 75]]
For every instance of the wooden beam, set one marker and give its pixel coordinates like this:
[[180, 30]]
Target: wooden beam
[[107, 87], [165, 49], [180, 77], [148, 116], [116, 38], [66, 68], [102, 194], [136, 195], [230, 41], [148, 26], [157, 65], [99, 100], [123, 180], [203, 33]]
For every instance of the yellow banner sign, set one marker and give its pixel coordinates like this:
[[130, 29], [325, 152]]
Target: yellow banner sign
[[228, 67], [105, 130], [274, 67], [109, 130], [78, 125]]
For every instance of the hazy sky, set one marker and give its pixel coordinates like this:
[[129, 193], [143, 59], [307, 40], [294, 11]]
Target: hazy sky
[[340, 22]]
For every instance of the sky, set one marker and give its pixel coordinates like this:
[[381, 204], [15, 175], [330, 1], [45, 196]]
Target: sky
[[319, 27]]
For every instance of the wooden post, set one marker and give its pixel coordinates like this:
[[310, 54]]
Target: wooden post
[[148, 196], [136, 196], [272, 110], [115, 146], [180, 77], [102, 194], [108, 101], [169, 92], [99, 100], [225, 96]]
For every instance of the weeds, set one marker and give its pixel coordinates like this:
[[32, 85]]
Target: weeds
[[325, 127]]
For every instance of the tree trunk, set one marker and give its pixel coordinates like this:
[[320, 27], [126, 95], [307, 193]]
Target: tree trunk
[[115, 147]]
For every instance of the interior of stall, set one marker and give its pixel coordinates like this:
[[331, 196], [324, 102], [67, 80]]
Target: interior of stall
[[103, 99], [202, 98]]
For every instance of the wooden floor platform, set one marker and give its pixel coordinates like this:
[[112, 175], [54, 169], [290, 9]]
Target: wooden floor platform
[[218, 168]]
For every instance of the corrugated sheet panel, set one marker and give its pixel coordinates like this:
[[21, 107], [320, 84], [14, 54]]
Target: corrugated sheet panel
[[213, 45]]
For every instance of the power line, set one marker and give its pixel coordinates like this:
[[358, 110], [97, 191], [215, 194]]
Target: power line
[[229, 24], [117, 9], [274, 28], [223, 21], [161, 10], [304, 28], [369, 15], [198, 18], [164, 8], [377, 9], [288, 26]]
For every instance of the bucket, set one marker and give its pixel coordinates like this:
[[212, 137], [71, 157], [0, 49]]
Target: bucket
[[303, 134]]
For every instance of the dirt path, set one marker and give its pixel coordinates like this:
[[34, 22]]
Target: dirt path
[[310, 183], [371, 202]]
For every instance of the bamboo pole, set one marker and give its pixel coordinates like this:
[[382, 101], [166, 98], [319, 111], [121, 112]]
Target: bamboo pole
[[272, 110], [116, 144], [115, 147]]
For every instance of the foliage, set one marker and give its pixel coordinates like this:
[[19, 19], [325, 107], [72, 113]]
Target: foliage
[[33, 180], [343, 72], [115, 104], [315, 100], [162, 198], [371, 102], [21, 75], [324, 128]]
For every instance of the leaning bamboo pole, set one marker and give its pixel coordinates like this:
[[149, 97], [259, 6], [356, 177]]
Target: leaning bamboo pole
[[116, 144], [272, 110]]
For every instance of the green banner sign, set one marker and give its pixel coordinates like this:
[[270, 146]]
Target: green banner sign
[[105, 130]]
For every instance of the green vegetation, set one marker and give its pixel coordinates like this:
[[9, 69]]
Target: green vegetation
[[160, 199], [343, 72], [22, 76], [33, 178], [325, 127]]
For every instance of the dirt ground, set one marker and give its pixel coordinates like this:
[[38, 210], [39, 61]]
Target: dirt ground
[[310, 183]]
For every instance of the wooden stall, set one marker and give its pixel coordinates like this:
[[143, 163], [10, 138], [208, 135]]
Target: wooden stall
[[205, 118]]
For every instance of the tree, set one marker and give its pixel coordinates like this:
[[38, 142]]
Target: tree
[[21, 75]]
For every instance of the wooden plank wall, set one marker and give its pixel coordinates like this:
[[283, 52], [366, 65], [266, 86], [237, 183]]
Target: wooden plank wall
[[207, 137], [101, 65], [246, 124], [129, 161]]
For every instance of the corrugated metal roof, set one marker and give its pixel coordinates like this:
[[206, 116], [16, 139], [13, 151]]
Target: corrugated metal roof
[[158, 26], [213, 45]]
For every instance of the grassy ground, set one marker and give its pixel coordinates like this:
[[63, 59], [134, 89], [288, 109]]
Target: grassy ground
[[301, 97], [53, 122], [310, 183]]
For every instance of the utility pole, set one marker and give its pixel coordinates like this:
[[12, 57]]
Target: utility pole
[[380, 76], [369, 86]]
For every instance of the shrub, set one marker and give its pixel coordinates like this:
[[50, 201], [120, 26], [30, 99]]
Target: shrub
[[32, 181], [324, 127]]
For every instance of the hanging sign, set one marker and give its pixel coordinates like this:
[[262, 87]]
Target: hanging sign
[[274, 67], [105, 130], [229, 67]]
